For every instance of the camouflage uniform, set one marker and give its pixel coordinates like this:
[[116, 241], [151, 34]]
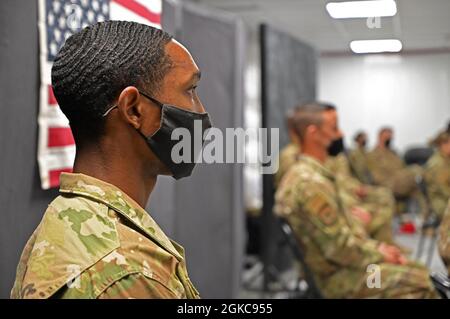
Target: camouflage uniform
[[444, 238], [288, 156], [437, 177], [96, 242], [389, 170], [379, 201], [308, 200], [358, 160]]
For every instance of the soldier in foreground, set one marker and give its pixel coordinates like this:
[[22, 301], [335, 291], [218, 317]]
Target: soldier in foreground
[[124, 87], [308, 200]]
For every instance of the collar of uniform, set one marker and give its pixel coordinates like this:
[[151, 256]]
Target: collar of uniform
[[445, 158], [317, 166], [361, 149], [113, 197], [382, 150]]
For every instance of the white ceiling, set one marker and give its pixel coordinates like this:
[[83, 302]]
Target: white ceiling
[[419, 24]]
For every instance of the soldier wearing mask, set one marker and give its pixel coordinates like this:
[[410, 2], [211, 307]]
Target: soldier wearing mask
[[308, 199], [370, 208], [125, 87], [389, 170]]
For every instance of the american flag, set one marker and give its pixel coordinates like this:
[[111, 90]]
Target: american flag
[[59, 19]]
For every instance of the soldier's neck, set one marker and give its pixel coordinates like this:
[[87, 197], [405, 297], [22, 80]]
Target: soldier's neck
[[316, 153], [381, 145], [126, 174]]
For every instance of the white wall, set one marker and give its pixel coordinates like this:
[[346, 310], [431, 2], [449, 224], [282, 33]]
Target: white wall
[[407, 92]]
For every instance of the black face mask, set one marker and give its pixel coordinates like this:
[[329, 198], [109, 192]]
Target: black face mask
[[388, 143], [336, 147], [161, 143]]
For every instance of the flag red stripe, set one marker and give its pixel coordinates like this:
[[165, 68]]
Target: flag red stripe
[[141, 10], [60, 136], [54, 175], [51, 96]]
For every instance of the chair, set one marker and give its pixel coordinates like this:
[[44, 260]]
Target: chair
[[417, 155], [442, 284], [279, 286], [312, 291]]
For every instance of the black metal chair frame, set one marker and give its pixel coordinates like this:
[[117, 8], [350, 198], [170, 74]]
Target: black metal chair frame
[[313, 291], [442, 284]]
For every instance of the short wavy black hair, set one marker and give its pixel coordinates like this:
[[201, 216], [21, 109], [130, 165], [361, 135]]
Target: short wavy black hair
[[97, 63]]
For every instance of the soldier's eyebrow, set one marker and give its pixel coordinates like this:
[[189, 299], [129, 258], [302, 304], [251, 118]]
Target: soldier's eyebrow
[[195, 77], [192, 79], [198, 75]]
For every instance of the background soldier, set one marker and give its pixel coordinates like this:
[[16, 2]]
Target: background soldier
[[389, 170], [308, 199]]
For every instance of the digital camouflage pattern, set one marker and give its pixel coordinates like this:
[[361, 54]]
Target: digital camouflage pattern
[[444, 238], [378, 201], [437, 177], [94, 241], [389, 170], [307, 198], [358, 160], [288, 156]]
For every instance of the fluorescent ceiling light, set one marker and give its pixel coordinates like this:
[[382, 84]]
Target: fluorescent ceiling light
[[362, 9], [376, 46]]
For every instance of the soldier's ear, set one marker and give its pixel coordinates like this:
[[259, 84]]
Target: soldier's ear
[[130, 108], [311, 129]]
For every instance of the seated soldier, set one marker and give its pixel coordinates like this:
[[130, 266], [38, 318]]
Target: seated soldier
[[370, 208], [389, 170], [437, 174], [358, 159], [377, 203], [307, 198]]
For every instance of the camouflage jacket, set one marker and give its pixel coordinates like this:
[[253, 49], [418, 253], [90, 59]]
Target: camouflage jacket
[[340, 166], [437, 177], [358, 160], [384, 164], [288, 156], [346, 185], [378, 201], [308, 199], [94, 241]]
